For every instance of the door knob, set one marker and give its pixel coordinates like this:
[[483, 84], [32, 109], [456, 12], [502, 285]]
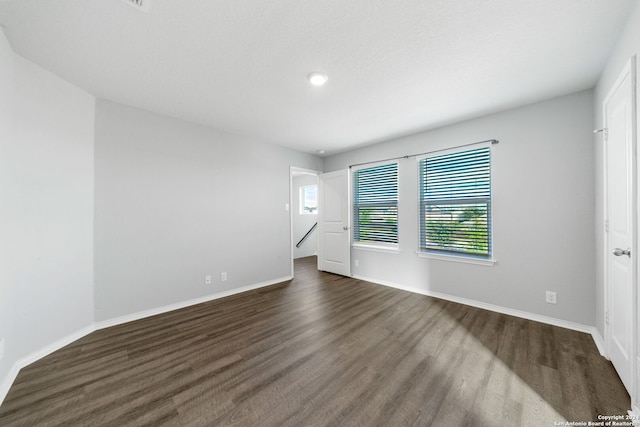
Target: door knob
[[345, 228], [620, 252]]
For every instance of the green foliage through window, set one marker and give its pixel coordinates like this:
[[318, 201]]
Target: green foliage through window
[[455, 202], [375, 204]]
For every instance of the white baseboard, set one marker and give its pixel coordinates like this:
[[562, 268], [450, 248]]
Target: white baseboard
[[167, 308], [7, 382], [597, 338], [498, 309], [39, 354]]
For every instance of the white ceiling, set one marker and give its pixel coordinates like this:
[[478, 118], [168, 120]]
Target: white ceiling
[[395, 66]]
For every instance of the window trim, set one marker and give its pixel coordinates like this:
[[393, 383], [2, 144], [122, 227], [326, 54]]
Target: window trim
[[467, 258], [388, 248], [367, 245]]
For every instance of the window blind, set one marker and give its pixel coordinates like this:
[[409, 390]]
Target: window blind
[[455, 202], [375, 204]]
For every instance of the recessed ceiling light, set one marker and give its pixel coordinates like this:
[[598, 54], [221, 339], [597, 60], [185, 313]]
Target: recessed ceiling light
[[317, 79]]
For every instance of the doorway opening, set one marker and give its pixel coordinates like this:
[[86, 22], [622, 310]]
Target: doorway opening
[[304, 205]]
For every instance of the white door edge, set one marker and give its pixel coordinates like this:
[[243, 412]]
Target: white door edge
[[628, 71]]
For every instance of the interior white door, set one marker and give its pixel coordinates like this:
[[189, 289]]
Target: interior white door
[[333, 214], [619, 112]]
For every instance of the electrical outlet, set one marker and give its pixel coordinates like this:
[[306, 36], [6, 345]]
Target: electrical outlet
[[551, 297], [207, 280], [223, 276], [356, 263], [1, 348]]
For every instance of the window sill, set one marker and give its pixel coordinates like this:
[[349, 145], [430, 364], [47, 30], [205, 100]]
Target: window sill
[[376, 248], [458, 258]]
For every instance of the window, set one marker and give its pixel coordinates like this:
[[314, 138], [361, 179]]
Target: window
[[309, 199], [375, 205], [455, 203]]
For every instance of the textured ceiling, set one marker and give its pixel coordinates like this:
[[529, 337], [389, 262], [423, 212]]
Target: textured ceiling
[[395, 66]]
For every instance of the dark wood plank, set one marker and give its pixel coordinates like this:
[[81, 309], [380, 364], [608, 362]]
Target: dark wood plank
[[320, 350]]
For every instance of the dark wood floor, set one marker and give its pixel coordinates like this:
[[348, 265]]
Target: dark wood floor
[[320, 350]]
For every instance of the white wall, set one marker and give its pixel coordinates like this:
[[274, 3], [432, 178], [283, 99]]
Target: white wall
[[303, 222], [46, 210], [6, 119], [176, 201], [627, 46], [542, 209]]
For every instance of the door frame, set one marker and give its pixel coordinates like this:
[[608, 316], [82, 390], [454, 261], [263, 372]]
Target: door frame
[[629, 70], [635, 398], [294, 170]]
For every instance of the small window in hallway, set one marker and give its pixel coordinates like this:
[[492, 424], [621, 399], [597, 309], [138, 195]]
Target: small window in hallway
[[309, 199]]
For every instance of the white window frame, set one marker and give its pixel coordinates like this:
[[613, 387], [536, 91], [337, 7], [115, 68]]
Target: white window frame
[[302, 209], [443, 255], [373, 245]]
